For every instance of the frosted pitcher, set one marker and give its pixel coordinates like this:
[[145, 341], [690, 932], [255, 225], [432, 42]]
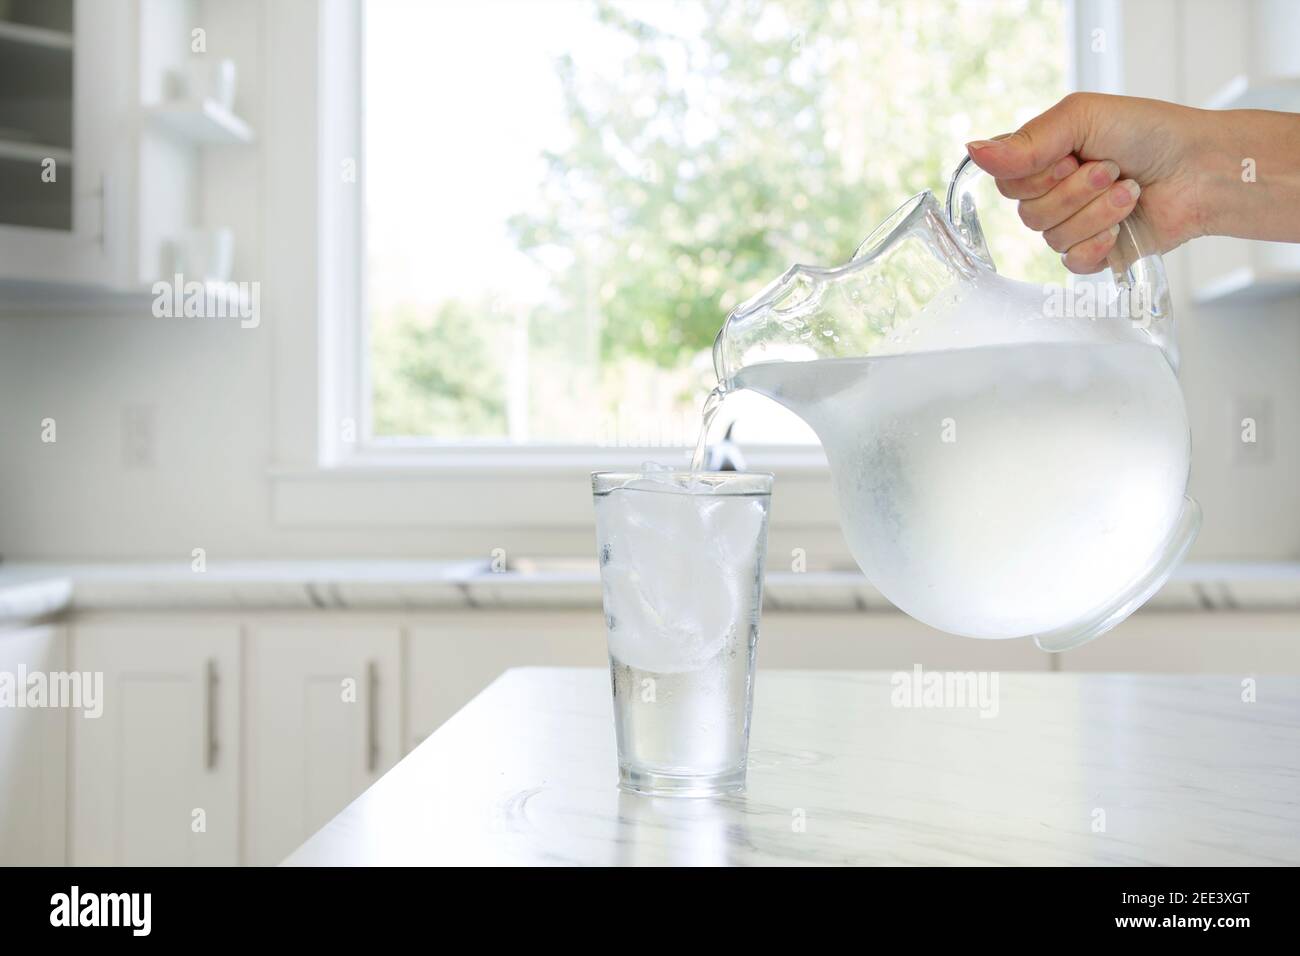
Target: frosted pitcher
[[1008, 459]]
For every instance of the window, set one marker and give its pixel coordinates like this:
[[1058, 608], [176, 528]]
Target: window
[[564, 199]]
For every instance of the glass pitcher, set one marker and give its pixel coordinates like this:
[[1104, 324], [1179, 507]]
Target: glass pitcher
[[1008, 459]]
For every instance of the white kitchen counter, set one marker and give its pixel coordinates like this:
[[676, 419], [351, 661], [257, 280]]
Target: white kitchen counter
[[1073, 769], [32, 590], [27, 600]]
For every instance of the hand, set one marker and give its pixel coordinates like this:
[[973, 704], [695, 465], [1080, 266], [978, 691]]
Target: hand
[[1084, 165]]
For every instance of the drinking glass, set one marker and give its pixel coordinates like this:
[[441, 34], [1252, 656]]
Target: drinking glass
[[681, 568]]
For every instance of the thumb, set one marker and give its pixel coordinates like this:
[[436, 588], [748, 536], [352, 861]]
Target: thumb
[[1035, 146]]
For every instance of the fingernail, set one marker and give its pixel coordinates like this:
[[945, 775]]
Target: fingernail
[[1114, 230], [1064, 168], [1107, 234], [981, 144], [1104, 173], [1125, 193]]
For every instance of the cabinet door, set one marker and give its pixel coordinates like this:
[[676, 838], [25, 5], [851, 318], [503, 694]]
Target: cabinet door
[[68, 81], [323, 710], [33, 753], [156, 777], [452, 658]]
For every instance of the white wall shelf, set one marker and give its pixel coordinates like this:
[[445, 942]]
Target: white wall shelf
[[1257, 93], [39, 298], [1248, 284], [204, 122], [61, 298], [1232, 271]]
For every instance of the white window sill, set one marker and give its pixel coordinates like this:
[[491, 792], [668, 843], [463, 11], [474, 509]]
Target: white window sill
[[504, 487], [398, 457]]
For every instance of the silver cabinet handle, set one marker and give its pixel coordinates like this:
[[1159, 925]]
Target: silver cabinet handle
[[372, 717], [210, 715]]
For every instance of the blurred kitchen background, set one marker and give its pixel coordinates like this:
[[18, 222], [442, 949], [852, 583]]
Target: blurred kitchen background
[[440, 260]]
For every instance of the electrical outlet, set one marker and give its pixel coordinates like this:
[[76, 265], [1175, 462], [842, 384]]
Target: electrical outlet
[[1251, 434], [138, 450]]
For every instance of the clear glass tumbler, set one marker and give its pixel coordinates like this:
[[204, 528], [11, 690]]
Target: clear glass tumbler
[[681, 568]]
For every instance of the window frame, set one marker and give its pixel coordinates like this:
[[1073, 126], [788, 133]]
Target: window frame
[[342, 134], [314, 119]]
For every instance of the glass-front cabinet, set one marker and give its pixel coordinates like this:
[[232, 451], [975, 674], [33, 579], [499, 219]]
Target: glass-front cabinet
[[55, 111]]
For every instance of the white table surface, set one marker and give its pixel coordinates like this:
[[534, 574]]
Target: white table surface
[[1177, 770]]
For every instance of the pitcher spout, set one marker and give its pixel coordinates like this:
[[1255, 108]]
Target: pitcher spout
[[852, 310]]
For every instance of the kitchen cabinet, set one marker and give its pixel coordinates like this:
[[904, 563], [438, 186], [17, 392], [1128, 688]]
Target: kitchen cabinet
[[323, 713], [452, 657], [102, 170], [156, 777], [326, 701], [64, 104], [33, 754]]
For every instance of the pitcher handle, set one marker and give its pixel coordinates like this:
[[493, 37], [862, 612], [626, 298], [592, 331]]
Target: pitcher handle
[[1134, 261]]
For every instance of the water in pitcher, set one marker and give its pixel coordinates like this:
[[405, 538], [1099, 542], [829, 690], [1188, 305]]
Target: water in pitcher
[[997, 490]]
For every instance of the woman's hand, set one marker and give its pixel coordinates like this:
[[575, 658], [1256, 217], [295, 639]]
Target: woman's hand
[[1081, 167]]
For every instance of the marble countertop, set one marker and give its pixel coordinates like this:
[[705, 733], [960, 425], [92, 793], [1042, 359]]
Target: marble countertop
[[1073, 769], [32, 590]]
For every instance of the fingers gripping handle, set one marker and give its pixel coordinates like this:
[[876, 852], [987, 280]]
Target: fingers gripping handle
[[1134, 260]]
